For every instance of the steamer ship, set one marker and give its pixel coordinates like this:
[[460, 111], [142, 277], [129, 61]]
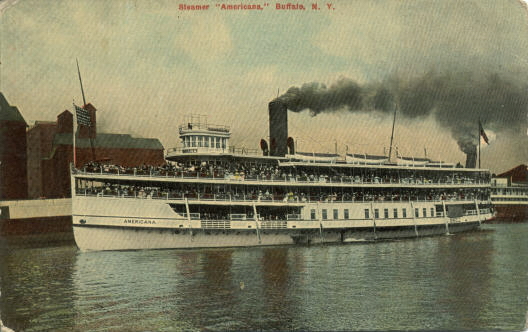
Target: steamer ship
[[210, 194], [509, 194]]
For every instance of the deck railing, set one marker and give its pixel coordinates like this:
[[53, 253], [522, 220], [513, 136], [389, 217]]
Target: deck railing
[[312, 179], [256, 198]]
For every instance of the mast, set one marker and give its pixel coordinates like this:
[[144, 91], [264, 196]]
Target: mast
[[84, 104], [392, 134], [478, 137], [80, 81], [73, 139]]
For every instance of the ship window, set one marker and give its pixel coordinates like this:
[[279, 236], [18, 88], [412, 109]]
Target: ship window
[[367, 215], [376, 213], [424, 210], [336, 214], [325, 214], [217, 140], [223, 143], [206, 142], [200, 141], [432, 212], [416, 213], [312, 214], [193, 141], [395, 212], [345, 213], [386, 213], [404, 213]]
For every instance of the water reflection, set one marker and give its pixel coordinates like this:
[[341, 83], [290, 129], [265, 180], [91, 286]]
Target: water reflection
[[36, 286], [464, 264], [466, 281], [276, 294]]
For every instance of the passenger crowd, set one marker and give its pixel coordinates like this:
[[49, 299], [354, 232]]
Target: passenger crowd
[[238, 171], [263, 193]]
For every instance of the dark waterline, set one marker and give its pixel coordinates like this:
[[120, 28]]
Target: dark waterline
[[471, 281]]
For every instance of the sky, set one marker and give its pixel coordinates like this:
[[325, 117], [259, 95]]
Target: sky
[[146, 65]]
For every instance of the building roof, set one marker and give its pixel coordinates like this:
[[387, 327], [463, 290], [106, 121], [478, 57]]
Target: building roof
[[8, 112], [517, 174], [114, 141], [40, 124]]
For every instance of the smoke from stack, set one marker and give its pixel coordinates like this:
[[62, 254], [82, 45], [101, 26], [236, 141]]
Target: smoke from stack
[[456, 101]]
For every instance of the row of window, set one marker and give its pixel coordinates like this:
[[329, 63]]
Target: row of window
[[324, 214], [395, 214], [204, 141], [403, 215]]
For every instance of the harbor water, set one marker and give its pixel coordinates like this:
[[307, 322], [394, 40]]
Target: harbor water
[[471, 281]]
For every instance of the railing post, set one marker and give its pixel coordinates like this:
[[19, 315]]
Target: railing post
[[478, 211], [414, 219], [373, 219], [446, 218], [188, 218], [256, 222]]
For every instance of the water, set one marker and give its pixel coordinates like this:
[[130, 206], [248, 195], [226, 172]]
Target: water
[[472, 281]]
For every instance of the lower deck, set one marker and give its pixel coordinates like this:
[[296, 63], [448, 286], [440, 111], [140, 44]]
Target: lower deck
[[102, 223]]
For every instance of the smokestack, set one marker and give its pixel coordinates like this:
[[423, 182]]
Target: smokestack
[[278, 122], [471, 158], [291, 145], [264, 147]]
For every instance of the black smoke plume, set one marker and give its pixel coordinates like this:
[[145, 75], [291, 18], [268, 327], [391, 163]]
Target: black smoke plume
[[456, 100]]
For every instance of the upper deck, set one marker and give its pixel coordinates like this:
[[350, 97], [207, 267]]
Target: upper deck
[[293, 174]]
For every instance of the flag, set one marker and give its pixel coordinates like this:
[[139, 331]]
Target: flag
[[83, 117], [483, 134]]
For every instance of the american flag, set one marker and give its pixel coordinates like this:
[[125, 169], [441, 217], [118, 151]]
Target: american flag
[[483, 133], [83, 117]]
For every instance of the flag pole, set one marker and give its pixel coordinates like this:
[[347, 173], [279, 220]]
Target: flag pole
[[74, 145], [392, 133], [80, 81], [479, 141]]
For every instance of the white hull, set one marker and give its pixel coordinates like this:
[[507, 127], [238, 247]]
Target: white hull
[[127, 224], [99, 238]]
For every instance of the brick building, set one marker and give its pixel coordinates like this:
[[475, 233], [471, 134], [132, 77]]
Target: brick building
[[516, 176], [50, 152], [13, 155], [39, 143]]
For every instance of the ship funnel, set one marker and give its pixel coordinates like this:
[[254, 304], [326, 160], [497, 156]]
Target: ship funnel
[[291, 145], [471, 158], [264, 147], [278, 122]]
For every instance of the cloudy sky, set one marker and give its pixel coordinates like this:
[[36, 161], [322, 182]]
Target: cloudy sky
[[146, 65]]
